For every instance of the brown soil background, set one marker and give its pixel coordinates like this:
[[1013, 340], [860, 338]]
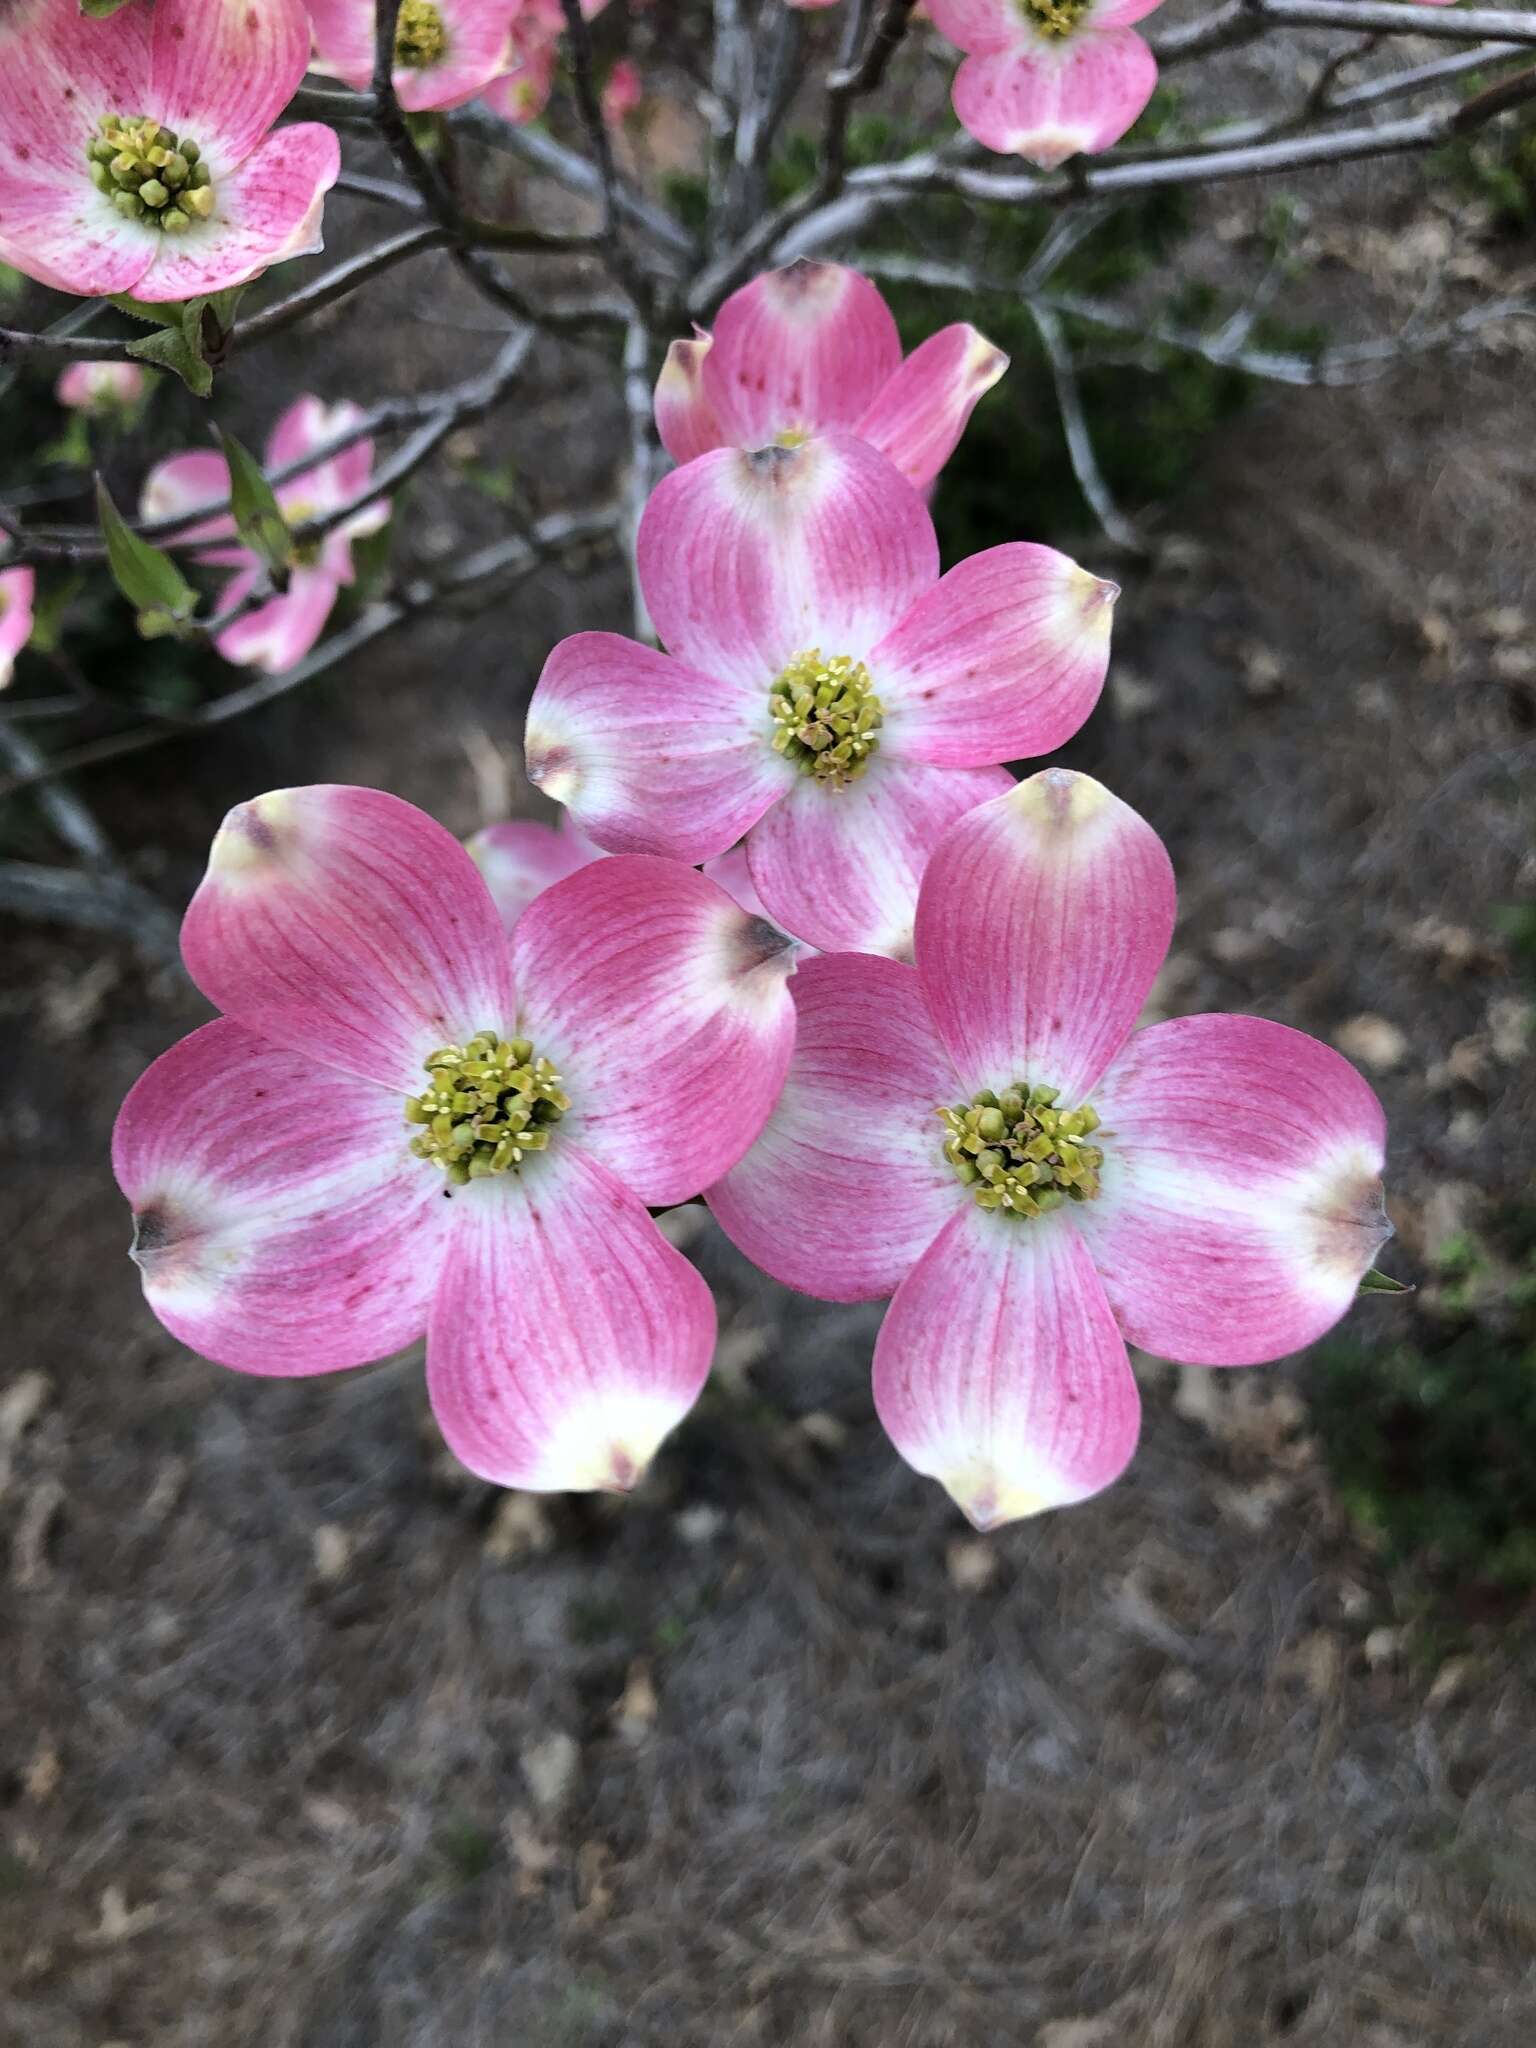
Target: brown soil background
[[308, 1741]]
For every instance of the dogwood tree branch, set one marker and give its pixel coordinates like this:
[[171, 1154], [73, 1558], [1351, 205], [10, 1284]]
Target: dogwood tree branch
[[1074, 425], [1340, 364], [516, 556], [91, 902], [543, 153], [1398, 17], [873, 191], [433, 418]]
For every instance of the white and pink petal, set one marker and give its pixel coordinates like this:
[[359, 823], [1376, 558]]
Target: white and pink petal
[[920, 412], [221, 71], [281, 1224], [1241, 1189], [748, 560], [58, 75], [477, 38], [848, 1184], [277, 634], [183, 485], [520, 859], [664, 1006], [999, 1370], [347, 925], [649, 754], [979, 25], [73, 240], [1004, 658], [267, 209], [840, 868], [799, 351], [1042, 921], [1052, 102], [567, 1337], [17, 591], [685, 419]]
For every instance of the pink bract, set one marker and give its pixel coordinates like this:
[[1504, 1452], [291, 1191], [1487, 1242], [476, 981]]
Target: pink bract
[[521, 858], [286, 1226], [521, 93], [813, 347], [750, 564], [214, 72], [474, 48], [17, 589], [1047, 79], [1238, 1194], [622, 93], [277, 634], [100, 387]]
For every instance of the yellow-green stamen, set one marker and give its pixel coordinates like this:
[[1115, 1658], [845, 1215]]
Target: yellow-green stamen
[[420, 38], [491, 1103], [1020, 1154], [1054, 17], [826, 717], [149, 173]]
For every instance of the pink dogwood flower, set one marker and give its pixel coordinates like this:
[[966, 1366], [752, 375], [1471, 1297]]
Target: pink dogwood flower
[[522, 91], [17, 590], [827, 693], [277, 634], [1045, 79], [446, 51], [98, 388], [403, 1122], [986, 1136], [812, 347], [139, 153]]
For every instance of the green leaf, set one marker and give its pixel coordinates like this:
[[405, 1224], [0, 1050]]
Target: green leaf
[[258, 516], [147, 577], [1383, 1283], [191, 338], [99, 10]]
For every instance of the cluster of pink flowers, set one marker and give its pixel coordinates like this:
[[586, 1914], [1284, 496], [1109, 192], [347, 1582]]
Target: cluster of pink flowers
[[887, 1032], [141, 152], [274, 635]]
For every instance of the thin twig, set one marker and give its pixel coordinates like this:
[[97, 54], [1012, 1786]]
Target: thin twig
[[434, 418], [520, 555], [1074, 425], [590, 107], [642, 460], [874, 191], [90, 902]]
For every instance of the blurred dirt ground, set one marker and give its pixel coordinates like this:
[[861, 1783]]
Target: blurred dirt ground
[[308, 1741]]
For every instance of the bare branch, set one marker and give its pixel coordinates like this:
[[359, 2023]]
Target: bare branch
[[873, 191], [1074, 425], [518, 555], [1398, 17], [434, 418], [94, 902], [534, 147]]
